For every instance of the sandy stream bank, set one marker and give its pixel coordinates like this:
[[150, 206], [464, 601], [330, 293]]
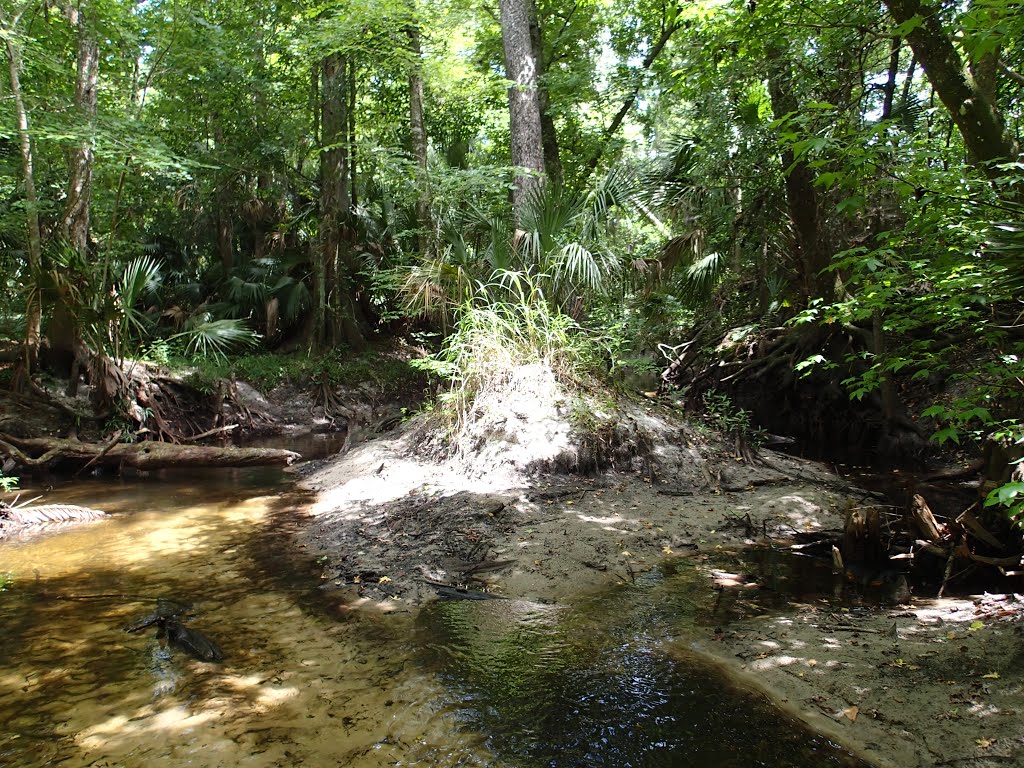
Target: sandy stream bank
[[908, 682]]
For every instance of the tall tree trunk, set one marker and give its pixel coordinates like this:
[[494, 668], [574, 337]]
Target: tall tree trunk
[[973, 112], [64, 330], [223, 221], [418, 140], [350, 133], [801, 194], [524, 106], [33, 309], [548, 134], [336, 308], [74, 223]]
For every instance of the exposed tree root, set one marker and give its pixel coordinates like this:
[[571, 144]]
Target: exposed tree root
[[757, 368]]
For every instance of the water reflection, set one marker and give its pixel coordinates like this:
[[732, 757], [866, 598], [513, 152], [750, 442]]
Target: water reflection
[[595, 686]]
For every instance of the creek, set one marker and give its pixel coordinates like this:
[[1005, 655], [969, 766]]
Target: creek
[[602, 680]]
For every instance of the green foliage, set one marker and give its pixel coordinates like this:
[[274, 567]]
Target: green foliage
[[8, 484], [1010, 497], [267, 371], [719, 413]]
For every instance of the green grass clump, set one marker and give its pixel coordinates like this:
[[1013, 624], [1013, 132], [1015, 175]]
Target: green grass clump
[[506, 325]]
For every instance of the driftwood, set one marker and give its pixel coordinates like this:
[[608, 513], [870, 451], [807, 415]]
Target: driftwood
[[106, 449], [23, 521], [972, 524], [452, 592], [167, 618], [923, 519], [46, 451]]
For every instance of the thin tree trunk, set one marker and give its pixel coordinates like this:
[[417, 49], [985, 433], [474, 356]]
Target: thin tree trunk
[[889, 89], [74, 223], [524, 107], [224, 223], [33, 309], [418, 139], [350, 133], [337, 311], [659, 45], [801, 194]]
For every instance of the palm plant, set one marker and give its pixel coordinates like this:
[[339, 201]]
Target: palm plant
[[558, 243]]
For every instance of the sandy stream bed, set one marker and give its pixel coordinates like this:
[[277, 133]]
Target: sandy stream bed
[[910, 682]]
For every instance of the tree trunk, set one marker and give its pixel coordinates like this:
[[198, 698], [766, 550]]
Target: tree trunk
[[337, 312], [33, 308], [74, 223], [801, 195], [524, 105], [225, 226], [976, 116], [418, 140], [64, 329], [548, 134]]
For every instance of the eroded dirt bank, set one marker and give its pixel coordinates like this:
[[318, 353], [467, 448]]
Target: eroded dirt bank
[[902, 680]]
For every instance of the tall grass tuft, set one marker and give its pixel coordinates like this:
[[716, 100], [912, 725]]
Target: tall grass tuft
[[506, 324]]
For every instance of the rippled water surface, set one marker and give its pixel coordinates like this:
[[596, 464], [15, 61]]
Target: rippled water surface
[[495, 683]]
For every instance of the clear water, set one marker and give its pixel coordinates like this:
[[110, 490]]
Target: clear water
[[604, 682]]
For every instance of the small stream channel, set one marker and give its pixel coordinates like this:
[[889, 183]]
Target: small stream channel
[[606, 681]]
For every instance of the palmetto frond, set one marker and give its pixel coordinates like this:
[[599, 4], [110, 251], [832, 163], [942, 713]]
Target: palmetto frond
[[140, 279], [215, 338], [701, 276]]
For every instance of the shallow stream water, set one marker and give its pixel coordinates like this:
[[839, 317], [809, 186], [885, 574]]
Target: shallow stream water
[[601, 681]]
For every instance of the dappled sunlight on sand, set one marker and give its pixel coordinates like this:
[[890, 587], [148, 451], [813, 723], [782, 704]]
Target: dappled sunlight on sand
[[803, 514], [83, 692]]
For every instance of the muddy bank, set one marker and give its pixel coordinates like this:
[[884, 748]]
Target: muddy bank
[[901, 680], [386, 522]]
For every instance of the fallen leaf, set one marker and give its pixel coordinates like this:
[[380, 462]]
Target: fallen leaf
[[626, 553], [991, 676], [666, 550], [851, 713], [976, 625], [812, 663], [984, 743], [384, 580]]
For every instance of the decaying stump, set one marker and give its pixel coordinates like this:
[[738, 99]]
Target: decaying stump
[[862, 538]]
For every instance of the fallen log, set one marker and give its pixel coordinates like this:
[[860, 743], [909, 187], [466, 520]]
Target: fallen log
[[37, 452]]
